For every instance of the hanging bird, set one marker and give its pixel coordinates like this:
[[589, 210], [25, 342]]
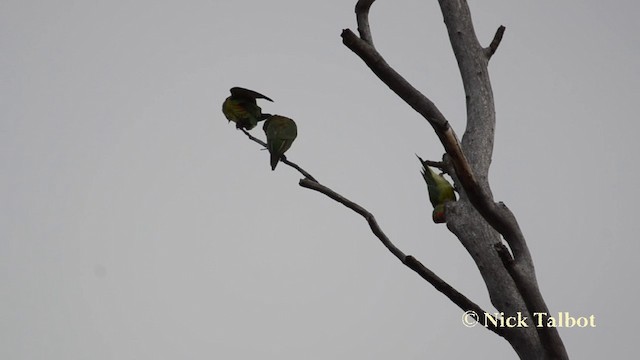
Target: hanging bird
[[440, 192], [280, 131], [242, 109]]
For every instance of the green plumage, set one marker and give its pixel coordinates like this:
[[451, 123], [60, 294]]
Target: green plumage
[[280, 131], [241, 107], [440, 192]]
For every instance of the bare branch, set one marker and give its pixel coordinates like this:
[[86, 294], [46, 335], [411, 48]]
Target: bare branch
[[393, 80], [254, 139], [455, 296], [497, 38], [283, 158], [373, 224], [362, 16]]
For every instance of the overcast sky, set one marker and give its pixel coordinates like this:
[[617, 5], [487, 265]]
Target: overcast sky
[[136, 223]]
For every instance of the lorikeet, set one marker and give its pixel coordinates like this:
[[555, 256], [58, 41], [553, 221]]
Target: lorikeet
[[242, 109], [440, 192], [280, 131]]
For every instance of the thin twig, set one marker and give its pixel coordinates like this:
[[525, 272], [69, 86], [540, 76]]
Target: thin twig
[[497, 38], [255, 139], [295, 166], [454, 295], [373, 224]]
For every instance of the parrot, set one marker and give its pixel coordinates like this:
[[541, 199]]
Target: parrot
[[280, 131], [440, 192], [242, 109]]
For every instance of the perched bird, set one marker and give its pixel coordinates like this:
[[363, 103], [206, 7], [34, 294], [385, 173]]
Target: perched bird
[[440, 192], [241, 108], [280, 131]]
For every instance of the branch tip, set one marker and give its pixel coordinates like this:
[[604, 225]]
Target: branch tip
[[497, 38], [362, 17]]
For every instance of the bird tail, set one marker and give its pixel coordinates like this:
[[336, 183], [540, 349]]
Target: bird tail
[[274, 161], [438, 215]]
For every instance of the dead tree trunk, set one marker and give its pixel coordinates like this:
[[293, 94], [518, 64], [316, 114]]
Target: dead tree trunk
[[476, 219]]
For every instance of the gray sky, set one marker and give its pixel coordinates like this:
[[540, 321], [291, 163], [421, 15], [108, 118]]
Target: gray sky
[[136, 223]]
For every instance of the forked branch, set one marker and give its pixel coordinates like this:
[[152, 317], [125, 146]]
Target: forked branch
[[497, 38]]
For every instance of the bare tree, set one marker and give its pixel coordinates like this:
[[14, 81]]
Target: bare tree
[[476, 219]]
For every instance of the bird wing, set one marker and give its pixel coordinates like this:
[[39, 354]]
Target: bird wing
[[247, 94]]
